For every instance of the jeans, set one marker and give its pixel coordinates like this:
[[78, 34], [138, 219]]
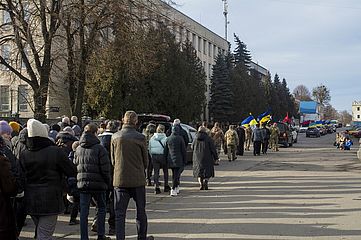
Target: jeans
[[121, 201], [159, 163], [85, 199]]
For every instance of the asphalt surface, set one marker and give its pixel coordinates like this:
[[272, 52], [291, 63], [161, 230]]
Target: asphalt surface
[[308, 191]]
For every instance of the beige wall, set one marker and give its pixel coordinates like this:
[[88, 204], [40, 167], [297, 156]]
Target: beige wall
[[356, 111]]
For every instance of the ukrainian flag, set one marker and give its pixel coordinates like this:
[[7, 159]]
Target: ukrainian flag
[[249, 121], [264, 117]]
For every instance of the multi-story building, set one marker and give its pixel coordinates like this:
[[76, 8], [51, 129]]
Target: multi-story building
[[15, 95], [356, 112]]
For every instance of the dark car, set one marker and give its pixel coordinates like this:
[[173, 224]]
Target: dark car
[[313, 131], [285, 138]]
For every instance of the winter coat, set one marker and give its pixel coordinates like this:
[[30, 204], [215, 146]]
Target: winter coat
[[266, 133], [105, 140], [44, 165], [155, 147], [241, 135], [257, 135], [7, 216], [175, 149], [92, 164], [204, 155], [231, 138], [65, 140], [19, 144], [129, 156]]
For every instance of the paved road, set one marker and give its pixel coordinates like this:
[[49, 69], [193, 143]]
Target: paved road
[[309, 191]]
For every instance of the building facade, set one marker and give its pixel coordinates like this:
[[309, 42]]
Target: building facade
[[356, 112]]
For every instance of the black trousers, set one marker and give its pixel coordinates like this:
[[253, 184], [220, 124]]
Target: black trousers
[[240, 149], [265, 146], [257, 147]]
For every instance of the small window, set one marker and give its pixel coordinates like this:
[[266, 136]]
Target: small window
[[194, 41], [210, 48], [199, 44], [22, 98], [5, 98], [205, 47], [358, 116], [5, 53], [358, 108]]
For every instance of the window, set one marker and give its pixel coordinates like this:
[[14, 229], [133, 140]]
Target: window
[[358, 108], [210, 49], [215, 51], [358, 116], [5, 53], [209, 70], [199, 44], [187, 37], [5, 97], [194, 41], [205, 47], [22, 98]]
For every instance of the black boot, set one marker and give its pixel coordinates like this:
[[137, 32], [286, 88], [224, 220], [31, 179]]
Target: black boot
[[166, 188], [205, 185]]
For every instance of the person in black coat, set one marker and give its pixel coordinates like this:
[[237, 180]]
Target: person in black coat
[[204, 155], [176, 155], [241, 136], [93, 179], [8, 189], [44, 165]]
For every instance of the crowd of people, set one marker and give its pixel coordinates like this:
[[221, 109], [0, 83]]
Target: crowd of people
[[64, 168], [343, 141]]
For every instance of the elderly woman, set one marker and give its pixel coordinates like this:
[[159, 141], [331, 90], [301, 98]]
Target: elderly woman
[[204, 155]]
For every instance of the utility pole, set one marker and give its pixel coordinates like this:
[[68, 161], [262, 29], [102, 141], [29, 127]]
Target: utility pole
[[225, 13]]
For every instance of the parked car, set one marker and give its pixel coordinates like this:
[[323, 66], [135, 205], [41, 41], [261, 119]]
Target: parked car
[[323, 130], [313, 131], [303, 129], [285, 138]]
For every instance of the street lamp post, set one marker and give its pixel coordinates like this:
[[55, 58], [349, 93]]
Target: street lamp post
[[225, 13]]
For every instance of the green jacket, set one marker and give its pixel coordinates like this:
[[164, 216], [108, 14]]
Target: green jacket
[[129, 157]]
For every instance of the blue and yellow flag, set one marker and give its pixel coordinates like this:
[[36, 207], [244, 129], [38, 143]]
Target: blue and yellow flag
[[264, 117], [249, 121]]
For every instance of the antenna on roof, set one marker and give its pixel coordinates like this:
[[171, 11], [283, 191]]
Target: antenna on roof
[[225, 13]]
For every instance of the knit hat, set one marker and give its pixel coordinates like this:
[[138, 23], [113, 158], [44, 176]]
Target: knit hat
[[15, 126], [176, 121], [36, 129], [69, 130], [66, 120], [5, 128], [77, 130], [74, 119]]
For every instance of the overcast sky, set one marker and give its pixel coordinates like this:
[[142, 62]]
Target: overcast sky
[[308, 42]]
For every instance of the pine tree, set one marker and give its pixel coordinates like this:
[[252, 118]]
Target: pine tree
[[241, 54], [220, 105]]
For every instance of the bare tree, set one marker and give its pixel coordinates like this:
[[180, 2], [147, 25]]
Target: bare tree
[[302, 93], [31, 31], [321, 94]]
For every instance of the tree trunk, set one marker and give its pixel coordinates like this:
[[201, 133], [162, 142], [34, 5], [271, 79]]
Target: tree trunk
[[40, 105]]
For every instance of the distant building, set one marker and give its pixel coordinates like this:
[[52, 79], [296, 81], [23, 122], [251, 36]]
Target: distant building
[[356, 112]]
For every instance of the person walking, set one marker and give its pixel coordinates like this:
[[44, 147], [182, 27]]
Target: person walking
[[241, 136], [232, 141], [156, 150], [93, 179], [204, 155], [266, 136], [8, 189], [217, 136], [248, 132], [275, 132], [175, 153], [129, 157], [257, 137], [148, 133], [44, 165]]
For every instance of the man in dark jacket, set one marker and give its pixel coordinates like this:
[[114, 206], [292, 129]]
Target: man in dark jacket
[[129, 156], [176, 155], [93, 178], [43, 189], [257, 137]]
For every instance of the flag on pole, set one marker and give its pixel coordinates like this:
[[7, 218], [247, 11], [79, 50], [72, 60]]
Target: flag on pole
[[249, 121], [264, 117], [287, 119]]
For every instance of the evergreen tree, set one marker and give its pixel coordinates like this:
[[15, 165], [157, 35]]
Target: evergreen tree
[[241, 54], [221, 105]]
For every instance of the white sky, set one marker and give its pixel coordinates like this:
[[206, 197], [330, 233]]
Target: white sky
[[305, 41]]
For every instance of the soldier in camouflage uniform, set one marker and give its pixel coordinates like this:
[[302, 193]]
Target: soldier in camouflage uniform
[[274, 137], [248, 137], [232, 141]]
